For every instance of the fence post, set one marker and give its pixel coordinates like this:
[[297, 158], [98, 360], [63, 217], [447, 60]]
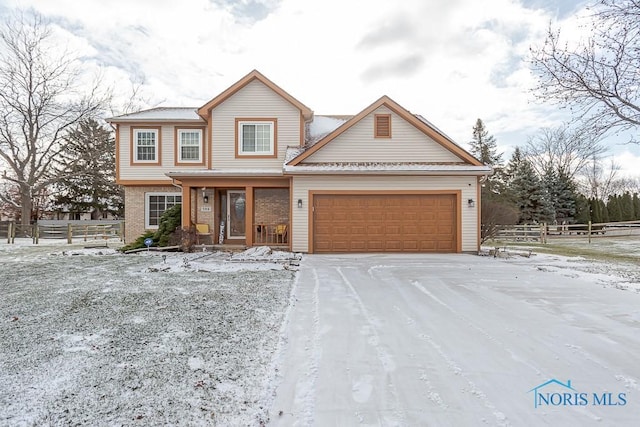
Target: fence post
[[589, 231], [69, 233], [36, 234], [13, 232], [9, 232]]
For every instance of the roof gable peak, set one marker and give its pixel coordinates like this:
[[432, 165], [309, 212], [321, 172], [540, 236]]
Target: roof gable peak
[[204, 111], [422, 125]]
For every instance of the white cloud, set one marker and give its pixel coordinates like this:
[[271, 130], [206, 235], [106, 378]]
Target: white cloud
[[450, 60]]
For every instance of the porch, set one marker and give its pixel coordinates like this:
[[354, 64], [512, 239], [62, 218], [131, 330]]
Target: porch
[[238, 212]]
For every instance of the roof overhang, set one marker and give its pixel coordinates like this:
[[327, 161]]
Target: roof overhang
[[226, 173], [388, 169]]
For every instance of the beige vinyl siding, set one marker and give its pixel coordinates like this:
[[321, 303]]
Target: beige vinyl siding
[[255, 100], [303, 184], [151, 172], [407, 144]]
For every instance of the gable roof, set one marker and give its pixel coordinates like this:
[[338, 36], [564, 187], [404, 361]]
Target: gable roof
[[421, 124], [204, 111]]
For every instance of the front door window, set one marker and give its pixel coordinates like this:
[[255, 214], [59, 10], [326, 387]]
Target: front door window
[[236, 211]]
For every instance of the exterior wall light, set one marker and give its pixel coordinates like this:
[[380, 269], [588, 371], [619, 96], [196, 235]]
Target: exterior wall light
[[471, 203], [299, 203], [205, 198]]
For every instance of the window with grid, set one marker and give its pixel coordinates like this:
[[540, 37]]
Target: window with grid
[[189, 145], [256, 138], [156, 204], [146, 145]]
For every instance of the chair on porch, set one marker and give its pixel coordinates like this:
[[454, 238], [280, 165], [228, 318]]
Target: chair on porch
[[203, 230], [280, 233]]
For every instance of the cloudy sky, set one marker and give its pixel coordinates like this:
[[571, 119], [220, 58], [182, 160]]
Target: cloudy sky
[[452, 61]]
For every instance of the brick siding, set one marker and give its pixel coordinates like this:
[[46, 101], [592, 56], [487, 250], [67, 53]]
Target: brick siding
[[134, 208], [271, 206]]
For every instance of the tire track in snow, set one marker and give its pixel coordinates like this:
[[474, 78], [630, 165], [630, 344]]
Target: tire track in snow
[[458, 371], [501, 419], [307, 391], [572, 347], [383, 355], [482, 331]]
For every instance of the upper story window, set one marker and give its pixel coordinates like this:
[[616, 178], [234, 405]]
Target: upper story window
[[256, 137], [145, 145], [189, 147], [382, 126]]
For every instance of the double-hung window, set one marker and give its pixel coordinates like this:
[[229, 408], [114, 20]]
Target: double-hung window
[[146, 145], [189, 149], [156, 204], [256, 137]]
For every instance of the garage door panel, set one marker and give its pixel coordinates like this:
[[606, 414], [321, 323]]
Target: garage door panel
[[384, 223]]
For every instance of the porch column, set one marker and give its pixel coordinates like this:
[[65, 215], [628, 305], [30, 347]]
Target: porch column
[[249, 216], [186, 206]]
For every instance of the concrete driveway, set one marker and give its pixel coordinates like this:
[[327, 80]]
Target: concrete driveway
[[456, 340]]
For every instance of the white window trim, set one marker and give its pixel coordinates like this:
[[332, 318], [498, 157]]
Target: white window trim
[[147, 226], [180, 133], [135, 145], [240, 134]]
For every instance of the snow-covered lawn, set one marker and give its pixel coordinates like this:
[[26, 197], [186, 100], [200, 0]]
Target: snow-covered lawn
[[93, 337]]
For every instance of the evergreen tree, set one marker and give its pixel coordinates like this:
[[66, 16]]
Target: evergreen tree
[[561, 194], [627, 212], [613, 207], [527, 191], [583, 210], [596, 210], [91, 187], [484, 146], [604, 211], [636, 206]]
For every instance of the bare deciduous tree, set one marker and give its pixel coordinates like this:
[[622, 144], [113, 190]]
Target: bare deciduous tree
[[599, 78], [563, 149], [41, 97], [600, 178]]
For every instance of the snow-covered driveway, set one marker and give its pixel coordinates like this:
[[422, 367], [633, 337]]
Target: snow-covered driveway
[[457, 340]]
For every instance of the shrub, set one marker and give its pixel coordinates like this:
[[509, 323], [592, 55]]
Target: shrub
[[169, 221]]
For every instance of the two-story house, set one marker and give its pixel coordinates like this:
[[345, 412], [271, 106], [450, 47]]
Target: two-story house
[[257, 167]]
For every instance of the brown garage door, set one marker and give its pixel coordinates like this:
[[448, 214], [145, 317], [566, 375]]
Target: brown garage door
[[384, 223]]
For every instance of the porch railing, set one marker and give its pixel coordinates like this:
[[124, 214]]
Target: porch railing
[[271, 234]]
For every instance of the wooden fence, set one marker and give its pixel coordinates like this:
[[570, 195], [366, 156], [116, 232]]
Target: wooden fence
[[51, 229], [543, 232]]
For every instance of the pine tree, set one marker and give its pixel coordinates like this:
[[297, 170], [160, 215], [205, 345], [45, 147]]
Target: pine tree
[[561, 194], [90, 155], [484, 146], [527, 191], [583, 210], [636, 206], [596, 211], [604, 211], [627, 212], [613, 206]]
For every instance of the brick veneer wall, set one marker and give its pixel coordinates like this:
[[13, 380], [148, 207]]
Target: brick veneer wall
[[134, 208], [271, 206]]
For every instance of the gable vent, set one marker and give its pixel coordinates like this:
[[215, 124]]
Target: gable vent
[[382, 126]]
